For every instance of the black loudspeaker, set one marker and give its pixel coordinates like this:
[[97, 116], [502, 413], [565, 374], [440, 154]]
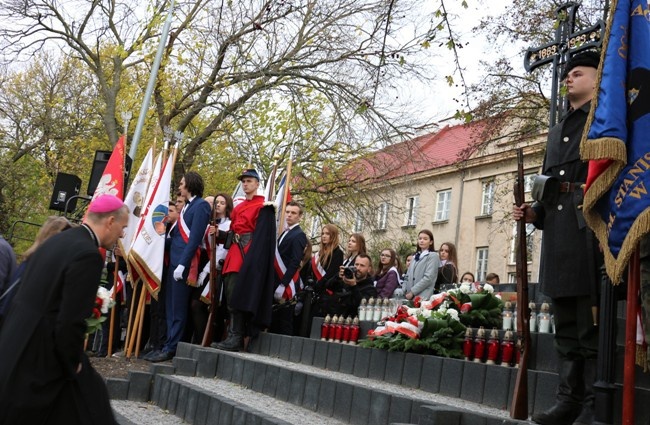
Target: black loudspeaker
[[99, 164], [65, 187]]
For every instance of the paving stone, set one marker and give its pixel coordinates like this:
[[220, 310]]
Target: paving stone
[[139, 386], [118, 388], [259, 375], [361, 405], [532, 379], [202, 408], [285, 347], [228, 365], [264, 341], [361, 362], [297, 388], [192, 400], [225, 413], [439, 415], [155, 389], [184, 366], [274, 350], [472, 419], [220, 363], [296, 349], [238, 416], [379, 408], [185, 349], [237, 370], [162, 369], [432, 374], [497, 387], [320, 353], [163, 399], [348, 353], [214, 411], [416, 410], [253, 419], [545, 391], [312, 390], [413, 370], [343, 401], [400, 409], [249, 373], [206, 364], [546, 358], [378, 360], [333, 357], [307, 355], [473, 381], [284, 384], [326, 397], [316, 324], [394, 367], [451, 377], [181, 403], [271, 380]]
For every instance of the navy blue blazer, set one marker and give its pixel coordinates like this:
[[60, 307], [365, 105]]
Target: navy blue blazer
[[291, 251], [197, 217]]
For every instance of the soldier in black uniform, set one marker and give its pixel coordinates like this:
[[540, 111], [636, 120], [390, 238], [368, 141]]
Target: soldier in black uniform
[[570, 254]]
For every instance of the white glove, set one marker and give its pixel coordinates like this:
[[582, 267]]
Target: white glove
[[178, 273], [202, 277]]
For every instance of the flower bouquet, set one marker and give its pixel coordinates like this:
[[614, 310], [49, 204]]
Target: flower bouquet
[[103, 302], [478, 306], [418, 327]]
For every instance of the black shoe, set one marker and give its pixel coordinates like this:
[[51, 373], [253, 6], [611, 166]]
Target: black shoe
[[151, 354], [161, 356]]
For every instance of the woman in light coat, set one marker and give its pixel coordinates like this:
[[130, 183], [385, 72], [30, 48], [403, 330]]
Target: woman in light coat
[[422, 273]]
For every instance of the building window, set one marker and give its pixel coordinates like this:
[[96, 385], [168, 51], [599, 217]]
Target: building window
[[315, 227], [528, 182], [481, 263], [512, 277], [443, 205], [382, 216], [530, 229], [487, 198], [411, 218], [358, 222]]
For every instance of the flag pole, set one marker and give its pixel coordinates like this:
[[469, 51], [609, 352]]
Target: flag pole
[[630, 338], [152, 81], [284, 195]]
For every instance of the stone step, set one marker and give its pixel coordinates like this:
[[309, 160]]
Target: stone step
[[352, 399], [141, 413]]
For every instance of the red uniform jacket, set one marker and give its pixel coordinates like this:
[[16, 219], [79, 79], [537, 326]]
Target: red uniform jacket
[[243, 220]]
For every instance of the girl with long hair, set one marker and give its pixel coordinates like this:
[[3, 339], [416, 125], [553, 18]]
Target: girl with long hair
[[388, 275]]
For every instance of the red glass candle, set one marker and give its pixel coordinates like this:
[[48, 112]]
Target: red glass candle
[[507, 352], [354, 332], [479, 345], [325, 328], [346, 332], [468, 344], [492, 351], [338, 332]]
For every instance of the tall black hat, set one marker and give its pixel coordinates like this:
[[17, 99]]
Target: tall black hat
[[590, 58]]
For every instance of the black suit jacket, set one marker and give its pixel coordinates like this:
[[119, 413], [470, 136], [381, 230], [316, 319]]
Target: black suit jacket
[[41, 341], [291, 251]]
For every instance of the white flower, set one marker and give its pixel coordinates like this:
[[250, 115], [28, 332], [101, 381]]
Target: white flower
[[488, 288], [426, 313], [443, 308], [105, 296], [453, 314], [465, 288], [413, 311], [426, 305]]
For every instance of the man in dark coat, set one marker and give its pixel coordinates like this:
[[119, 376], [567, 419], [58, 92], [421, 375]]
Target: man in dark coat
[[570, 256], [45, 377], [291, 249], [344, 293]]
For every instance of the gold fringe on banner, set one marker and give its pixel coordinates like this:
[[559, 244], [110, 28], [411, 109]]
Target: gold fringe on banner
[[642, 357]]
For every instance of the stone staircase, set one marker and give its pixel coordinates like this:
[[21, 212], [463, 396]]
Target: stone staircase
[[293, 380]]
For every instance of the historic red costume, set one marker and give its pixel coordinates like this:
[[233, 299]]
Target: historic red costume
[[243, 220]]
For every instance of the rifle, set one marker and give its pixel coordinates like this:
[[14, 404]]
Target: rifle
[[207, 335], [519, 407]]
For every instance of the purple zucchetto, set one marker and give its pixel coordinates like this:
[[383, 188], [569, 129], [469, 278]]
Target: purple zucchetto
[[105, 203]]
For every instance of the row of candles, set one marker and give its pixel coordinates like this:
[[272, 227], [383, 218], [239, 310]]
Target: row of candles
[[490, 351], [339, 329], [376, 309], [541, 322]]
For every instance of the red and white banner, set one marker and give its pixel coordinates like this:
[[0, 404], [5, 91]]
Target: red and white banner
[[135, 199]]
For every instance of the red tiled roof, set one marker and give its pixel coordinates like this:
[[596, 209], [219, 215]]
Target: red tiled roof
[[448, 146]]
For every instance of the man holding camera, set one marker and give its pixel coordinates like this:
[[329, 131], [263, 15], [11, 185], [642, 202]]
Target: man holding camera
[[343, 293]]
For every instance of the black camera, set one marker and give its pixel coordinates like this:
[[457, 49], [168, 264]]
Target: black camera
[[349, 271]]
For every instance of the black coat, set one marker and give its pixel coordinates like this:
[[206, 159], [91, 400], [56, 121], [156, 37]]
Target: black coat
[[570, 256], [253, 292], [340, 298], [291, 250], [41, 341]]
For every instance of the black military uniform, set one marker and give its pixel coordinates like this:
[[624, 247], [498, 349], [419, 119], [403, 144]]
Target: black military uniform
[[570, 264]]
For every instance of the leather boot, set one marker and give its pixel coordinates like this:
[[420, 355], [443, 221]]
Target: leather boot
[[235, 339], [570, 393], [586, 416]]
